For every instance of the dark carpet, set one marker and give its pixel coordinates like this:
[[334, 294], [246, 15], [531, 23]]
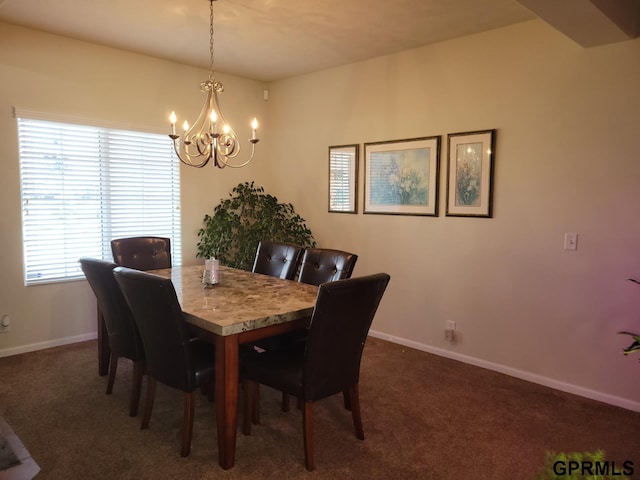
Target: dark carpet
[[425, 417]]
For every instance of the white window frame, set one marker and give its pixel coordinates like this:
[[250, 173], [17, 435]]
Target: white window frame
[[84, 183]]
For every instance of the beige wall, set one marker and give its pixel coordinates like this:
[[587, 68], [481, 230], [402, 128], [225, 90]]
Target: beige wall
[[57, 75], [566, 161]]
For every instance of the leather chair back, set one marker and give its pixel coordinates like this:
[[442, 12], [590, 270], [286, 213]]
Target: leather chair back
[[165, 336], [339, 327], [277, 259], [142, 253], [124, 338], [320, 265]]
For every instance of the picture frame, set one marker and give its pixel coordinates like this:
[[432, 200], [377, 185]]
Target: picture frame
[[471, 158], [401, 176], [343, 178]]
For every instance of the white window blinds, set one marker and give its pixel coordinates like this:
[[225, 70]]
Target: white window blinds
[[84, 185], [342, 179]]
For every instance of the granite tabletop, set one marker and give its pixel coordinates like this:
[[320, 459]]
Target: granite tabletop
[[241, 301]]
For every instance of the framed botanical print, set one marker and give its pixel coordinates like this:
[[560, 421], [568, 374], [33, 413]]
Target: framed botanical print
[[401, 176], [470, 173]]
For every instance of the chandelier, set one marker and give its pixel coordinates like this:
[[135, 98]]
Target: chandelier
[[210, 137]]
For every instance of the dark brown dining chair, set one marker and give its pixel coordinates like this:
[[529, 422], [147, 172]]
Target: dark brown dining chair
[[280, 260], [124, 339], [142, 253], [277, 259], [173, 357], [319, 265], [330, 361]]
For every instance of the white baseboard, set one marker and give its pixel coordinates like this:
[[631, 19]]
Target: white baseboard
[[496, 367], [513, 372], [7, 352]]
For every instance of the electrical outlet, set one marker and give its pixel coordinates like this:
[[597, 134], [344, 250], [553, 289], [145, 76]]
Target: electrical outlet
[[5, 324]]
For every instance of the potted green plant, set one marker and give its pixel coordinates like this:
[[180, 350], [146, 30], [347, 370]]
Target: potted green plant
[[635, 346], [239, 222]]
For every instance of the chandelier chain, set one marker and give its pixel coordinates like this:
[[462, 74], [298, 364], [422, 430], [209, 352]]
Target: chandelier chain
[[211, 49]]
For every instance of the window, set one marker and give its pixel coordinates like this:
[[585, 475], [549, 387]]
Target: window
[[85, 185]]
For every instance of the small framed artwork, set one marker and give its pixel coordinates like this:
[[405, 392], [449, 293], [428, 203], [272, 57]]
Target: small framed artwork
[[401, 176], [470, 174], [343, 178]]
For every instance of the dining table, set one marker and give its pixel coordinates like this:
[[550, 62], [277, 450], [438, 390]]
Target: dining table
[[242, 308]]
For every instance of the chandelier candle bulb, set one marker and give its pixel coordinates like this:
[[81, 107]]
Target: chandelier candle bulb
[[172, 119], [214, 118], [254, 127]]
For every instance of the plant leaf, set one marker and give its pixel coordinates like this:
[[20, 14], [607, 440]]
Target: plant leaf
[[239, 223]]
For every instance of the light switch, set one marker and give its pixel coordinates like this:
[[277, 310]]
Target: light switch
[[570, 241]]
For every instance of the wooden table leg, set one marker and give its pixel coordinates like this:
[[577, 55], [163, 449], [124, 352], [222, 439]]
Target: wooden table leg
[[227, 379], [104, 351]]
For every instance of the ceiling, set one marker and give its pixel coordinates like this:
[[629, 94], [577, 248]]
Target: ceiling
[[268, 39]]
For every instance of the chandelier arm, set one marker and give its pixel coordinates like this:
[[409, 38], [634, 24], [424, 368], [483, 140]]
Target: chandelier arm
[[203, 144], [203, 122], [214, 104], [186, 158], [253, 151], [228, 145]]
